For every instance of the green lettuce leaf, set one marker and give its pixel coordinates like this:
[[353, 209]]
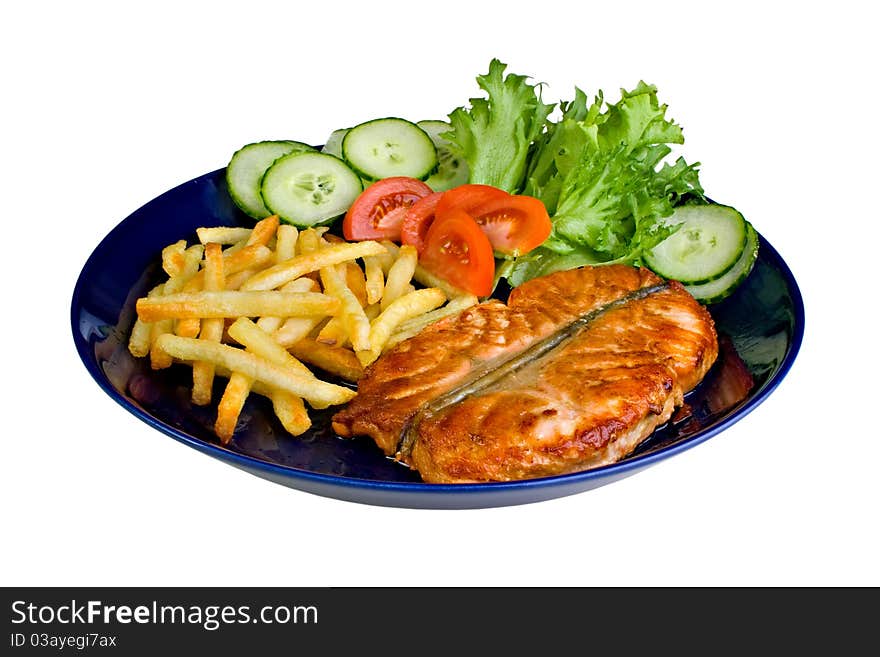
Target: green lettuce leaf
[[560, 148], [543, 261], [495, 134], [600, 168], [601, 173], [638, 121]]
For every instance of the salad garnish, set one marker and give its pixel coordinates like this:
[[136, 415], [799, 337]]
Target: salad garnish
[[552, 186]]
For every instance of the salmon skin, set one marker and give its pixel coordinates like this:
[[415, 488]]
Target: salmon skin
[[573, 372]]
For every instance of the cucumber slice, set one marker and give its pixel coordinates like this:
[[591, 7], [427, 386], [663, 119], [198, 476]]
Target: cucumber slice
[[333, 145], [452, 170], [308, 189], [246, 168], [723, 287], [389, 147], [709, 241]]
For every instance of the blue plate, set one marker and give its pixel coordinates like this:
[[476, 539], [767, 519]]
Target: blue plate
[[761, 327]]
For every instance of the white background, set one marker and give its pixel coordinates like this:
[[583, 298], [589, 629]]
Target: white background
[[106, 106]]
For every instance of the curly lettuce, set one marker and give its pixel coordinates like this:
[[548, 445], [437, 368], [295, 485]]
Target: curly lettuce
[[495, 133], [601, 174], [599, 168]]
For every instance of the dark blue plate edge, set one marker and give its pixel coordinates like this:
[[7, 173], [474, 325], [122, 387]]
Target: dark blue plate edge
[[408, 494]]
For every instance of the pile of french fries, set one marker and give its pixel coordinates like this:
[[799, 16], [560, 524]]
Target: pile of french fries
[[264, 307]]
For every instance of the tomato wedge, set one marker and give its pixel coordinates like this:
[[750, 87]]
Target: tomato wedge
[[514, 225], [459, 252], [378, 212], [467, 197], [418, 220]]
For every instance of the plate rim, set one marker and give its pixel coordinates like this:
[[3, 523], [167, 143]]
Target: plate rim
[[250, 463]]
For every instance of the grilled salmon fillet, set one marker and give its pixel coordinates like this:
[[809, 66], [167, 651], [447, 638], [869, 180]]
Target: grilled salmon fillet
[[587, 401]]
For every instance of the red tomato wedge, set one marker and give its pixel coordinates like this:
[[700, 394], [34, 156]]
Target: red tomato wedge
[[378, 212], [418, 220], [514, 225], [467, 197], [459, 252]]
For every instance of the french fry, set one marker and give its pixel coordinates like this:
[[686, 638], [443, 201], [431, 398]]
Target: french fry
[[291, 412], [203, 305], [304, 287], [387, 258], [223, 235], [234, 248], [335, 360], [190, 270], [257, 387], [285, 248], [333, 333], [172, 258], [455, 305], [372, 312], [295, 329], [354, 279], [301, 285], [288, 407], [263, 231], [139, 341], [211, 329], [417, 324], [319, 394], [269, 324], [400, 310], [354, 322], [272, 324], [258, 341], [233, 284], [328, 256], [255, 256], [375, 279], [236, 280], [234, 396], [191, 258], [400, 335], [310, 240], [188, 328], [400, 274], [236, 393], [215, 275], [159, 359]]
